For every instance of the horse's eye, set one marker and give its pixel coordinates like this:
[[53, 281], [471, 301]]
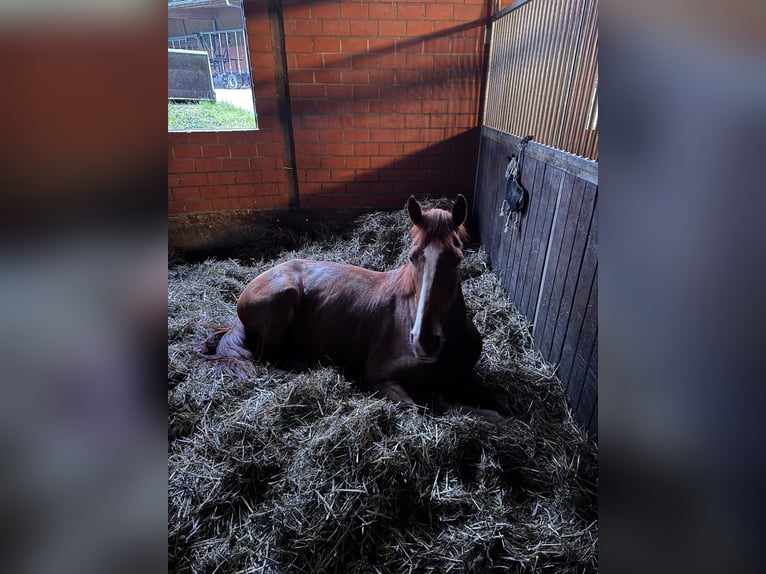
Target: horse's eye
[[413, 257]]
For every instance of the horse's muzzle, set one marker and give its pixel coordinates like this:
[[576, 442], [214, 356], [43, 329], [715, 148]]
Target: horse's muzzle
[[427, 347]]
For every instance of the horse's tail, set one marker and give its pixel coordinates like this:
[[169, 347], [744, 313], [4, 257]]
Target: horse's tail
[[228, 346]]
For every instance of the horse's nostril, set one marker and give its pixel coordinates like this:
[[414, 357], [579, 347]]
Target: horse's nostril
[[430, 343]]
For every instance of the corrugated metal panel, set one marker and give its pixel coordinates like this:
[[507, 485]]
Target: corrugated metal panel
[[543, 74]]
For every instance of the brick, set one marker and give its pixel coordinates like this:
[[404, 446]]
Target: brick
[[180, 165], [409, 45], [183, 193], [355, 77], [311, 120], [381, 45], [187, 151], [248, 177], [408, 107], [331, 135], [336, 93], [175, 207], [269, 175], [366, 121], [439, 11], [232, 137], [309, 91], [411, 12], [365, 149], [338, 121], [354, 135], [270, 150], [198, 205], [211, 191], [328, 10], [366, 92], [393, 61], [406, 135], [333, 162], [327, 76], [243, 150], [326, 44], [208, 165], [382, 11], [420, 61], [419, 28], [301, 77], [408, 76], [316, 175], [336, 27], [382, 135], [388, 149], [221, 178], [343, 149], [382, 107], [235, 164], [342, 174], [358, 162], [308, 161], [215, 151], [308, 27], [224, 204], [353, 11], [365, 28], [467, 13], [442, 120], [262, 162], [354, 45], [417, 121], [203, 138], [392, 28], [191, 179], [382, 77], [308, 61], [293, 10], [258, 61]]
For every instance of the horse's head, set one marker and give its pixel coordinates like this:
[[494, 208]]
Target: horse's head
[[435, 254]]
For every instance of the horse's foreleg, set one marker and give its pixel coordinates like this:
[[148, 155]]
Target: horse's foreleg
[[395, 392], [442, 405]]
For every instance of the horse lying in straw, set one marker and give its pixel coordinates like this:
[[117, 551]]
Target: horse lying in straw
[[401, 334]]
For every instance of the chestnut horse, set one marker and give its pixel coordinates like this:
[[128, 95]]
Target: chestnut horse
[[402, 333]]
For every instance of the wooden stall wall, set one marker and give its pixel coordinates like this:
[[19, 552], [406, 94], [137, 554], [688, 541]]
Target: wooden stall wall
[[549, 264]]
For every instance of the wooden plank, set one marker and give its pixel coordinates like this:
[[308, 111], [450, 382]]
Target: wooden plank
[[529, 295], [553, 250], [567, 222], [593, 422], [528, 225], [572, 277], [518, 237], [552, 185], [587, 400], [586, 342], [582, 300], [277, 27], [578, 166]]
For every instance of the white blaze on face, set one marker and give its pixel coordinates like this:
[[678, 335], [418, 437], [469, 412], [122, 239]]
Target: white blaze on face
[[431, 256]]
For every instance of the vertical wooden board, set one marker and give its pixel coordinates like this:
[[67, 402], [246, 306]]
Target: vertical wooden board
[[593, 422], [552, 253], [550, 190], [568, 223], [489, 196], [539, 224], [587, 401], [529, 224], [520, 235], [586, 342], [572, 276], [495, 185], [582, 300]]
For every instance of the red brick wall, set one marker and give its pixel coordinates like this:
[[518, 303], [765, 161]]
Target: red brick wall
[[384, 97]]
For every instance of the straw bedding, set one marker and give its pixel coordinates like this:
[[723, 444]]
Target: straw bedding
[[300, 472]]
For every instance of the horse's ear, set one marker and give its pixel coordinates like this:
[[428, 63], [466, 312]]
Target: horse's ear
[[459, 211], [414, 209]]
